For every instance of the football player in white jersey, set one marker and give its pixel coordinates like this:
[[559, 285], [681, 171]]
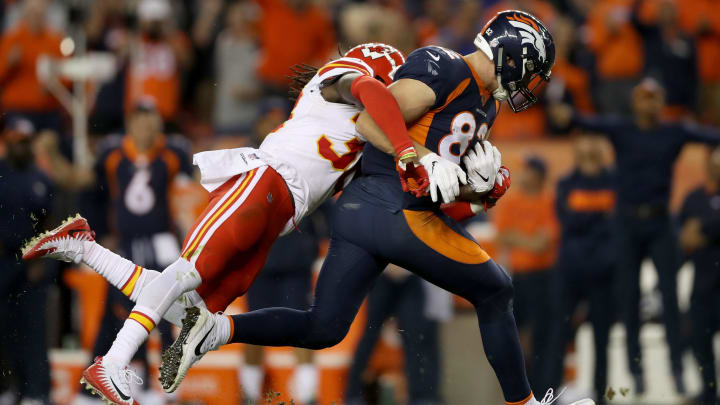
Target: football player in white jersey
[[255, 195]]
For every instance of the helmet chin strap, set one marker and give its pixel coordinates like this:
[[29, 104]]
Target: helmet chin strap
[[500, 93], [481, 43]]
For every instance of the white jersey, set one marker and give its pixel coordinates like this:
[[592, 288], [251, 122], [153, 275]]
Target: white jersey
[[315, 150]]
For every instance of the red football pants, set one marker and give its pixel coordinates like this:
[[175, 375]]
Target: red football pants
[[230, 241]]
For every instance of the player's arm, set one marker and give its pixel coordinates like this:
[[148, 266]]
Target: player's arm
[[415, 98]]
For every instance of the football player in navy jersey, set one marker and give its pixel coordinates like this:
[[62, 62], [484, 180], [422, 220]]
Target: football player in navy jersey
[[449, 102]]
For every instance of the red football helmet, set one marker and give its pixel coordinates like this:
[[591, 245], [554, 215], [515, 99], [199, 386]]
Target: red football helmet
[[383, 59]]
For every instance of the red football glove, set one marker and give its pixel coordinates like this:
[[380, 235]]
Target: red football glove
[[502, 184], [414, 178]]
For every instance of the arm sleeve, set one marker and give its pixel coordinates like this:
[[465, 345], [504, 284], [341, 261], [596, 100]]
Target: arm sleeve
[[459, 210], [606, 125], [385, 111], [699, 133]]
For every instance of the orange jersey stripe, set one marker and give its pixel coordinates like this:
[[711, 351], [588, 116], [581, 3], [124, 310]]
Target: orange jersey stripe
[[192, 246], [129, 286], [143, 320], [524, 401], [432, 231], [419, 131]]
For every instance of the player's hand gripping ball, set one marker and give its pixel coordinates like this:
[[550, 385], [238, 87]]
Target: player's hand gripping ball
[[502, 184]]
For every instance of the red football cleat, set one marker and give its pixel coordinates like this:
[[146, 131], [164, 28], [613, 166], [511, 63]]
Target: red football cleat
[[62, 243], [110, 382]]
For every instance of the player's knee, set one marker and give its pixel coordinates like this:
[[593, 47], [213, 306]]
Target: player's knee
[[499, 297], [184, 273], [325, 334]]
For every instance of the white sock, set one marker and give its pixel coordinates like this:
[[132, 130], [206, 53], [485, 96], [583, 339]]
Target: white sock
[[114, 268], [224, 329], [119, 272], [133, 333], [153, 302], [304, 383], [252, 379]]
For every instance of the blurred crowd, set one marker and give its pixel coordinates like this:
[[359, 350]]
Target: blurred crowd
[[197, 74]]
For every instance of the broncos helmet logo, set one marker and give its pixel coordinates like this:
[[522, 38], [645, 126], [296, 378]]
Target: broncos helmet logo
[[530, 34]]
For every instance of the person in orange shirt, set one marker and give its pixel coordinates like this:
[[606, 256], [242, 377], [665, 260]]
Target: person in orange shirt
[[21, 93], [618, 51], [701, 18], [306, 36], [157, 58], [570, 83], [527, 235]]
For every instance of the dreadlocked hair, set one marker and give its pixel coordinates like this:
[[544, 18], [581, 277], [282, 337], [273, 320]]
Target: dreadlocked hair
[[302, 74]]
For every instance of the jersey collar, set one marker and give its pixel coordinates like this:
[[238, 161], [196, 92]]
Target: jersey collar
[[480, 85], [133, 154]]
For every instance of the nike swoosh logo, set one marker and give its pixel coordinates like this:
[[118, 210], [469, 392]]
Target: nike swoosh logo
[[484, 178], [122, 395], [436, 58], [199, 345]]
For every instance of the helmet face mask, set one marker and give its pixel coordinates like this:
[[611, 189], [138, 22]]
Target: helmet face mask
[[523, 52]]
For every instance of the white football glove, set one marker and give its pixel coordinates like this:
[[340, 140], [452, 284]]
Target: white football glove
[[482, 164], [444, 175]]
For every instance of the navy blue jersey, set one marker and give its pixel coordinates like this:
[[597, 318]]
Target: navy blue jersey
[[138, 185], [461, 116], [25, 201]]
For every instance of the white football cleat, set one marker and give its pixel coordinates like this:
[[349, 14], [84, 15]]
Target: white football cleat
[[110, 382], [198, 336], [63, 243]]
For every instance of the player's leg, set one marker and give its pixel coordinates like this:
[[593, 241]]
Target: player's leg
[[228, 227], [439, 251], [74, 241], [381, 303], [347, 275]]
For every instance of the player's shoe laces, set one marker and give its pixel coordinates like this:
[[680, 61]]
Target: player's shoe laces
[[62, 243], [550, 398], [198, 336], [110, 381]]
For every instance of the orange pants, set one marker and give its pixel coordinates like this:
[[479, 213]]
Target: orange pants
[[230, 241]]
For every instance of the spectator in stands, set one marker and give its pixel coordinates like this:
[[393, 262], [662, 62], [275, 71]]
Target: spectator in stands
[[618, 52], [107, 29], [701, 18], [700, 239], [158, 55], [21, 93], [25, 202], [376, 22], [585, 202], [307, 36], [432, 26], [236, 59], [570, 84], [669, 54], [529, 239], [645, 149], [400, 294]]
